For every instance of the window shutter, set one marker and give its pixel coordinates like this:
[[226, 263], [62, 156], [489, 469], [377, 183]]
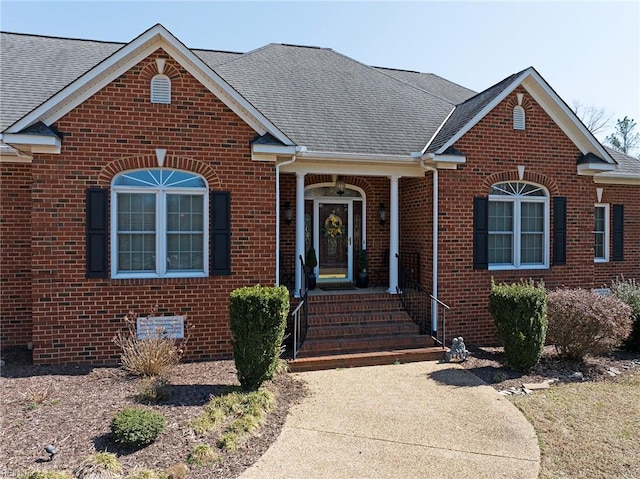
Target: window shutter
[[618, 232], [220, 225], [96, 232], [480, 233], [559, 230]]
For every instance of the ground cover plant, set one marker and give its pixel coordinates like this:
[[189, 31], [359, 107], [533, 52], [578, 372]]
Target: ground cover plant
[[82, 400], [587, 421]]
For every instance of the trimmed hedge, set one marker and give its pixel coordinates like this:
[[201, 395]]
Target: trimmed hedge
[[137, 427], [628, 290], [258, 321], [584, 322], [519, 312]]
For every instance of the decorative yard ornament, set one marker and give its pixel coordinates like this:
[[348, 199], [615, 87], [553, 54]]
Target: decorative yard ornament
[[458, 350]]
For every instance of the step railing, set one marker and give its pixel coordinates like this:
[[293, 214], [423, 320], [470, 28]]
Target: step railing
[[418, 302], [300, 315]]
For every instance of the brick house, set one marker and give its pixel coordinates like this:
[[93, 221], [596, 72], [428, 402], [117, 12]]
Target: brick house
[[147, 173]]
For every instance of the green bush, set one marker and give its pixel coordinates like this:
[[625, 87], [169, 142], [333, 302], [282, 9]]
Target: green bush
[[258, 320], [137, 427], [519, 312], [629, 291], [101, 465], [584, 322], [45, 475]]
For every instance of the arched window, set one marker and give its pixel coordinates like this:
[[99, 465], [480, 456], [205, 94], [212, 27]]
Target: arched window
[[161, 89], [159, 224], [518, 226], [518, 118]]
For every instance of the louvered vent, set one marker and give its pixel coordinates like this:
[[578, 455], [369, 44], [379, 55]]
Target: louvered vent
[[160, 89], [518, 118]]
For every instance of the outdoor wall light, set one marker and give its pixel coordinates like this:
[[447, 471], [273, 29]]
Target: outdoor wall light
[[382, 214], [287, 212], [340, 185]]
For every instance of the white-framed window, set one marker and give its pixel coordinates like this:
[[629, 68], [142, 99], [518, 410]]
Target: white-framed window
[[161, 89], [518, 226], [601, 233], [518, 118], [159, 224]]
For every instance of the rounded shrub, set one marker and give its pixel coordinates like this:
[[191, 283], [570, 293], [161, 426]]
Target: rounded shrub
[[628, 290], [519, 313], [583, 322], [137, 427], [258, 320]]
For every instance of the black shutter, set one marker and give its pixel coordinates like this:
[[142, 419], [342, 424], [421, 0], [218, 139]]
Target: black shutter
[[480, 233], [96, 228], [559, 230], [220, 226], [618, 232]]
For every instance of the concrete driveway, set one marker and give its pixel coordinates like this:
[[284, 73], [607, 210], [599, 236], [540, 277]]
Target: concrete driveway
[[418, 420]]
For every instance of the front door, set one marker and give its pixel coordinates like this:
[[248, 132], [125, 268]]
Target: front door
[[335, 231]]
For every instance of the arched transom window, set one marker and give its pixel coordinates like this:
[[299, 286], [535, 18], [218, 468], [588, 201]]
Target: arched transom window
[[159, 224], [518, 226]]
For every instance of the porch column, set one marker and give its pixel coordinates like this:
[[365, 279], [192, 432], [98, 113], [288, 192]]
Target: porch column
[[394, 235], [299, 231]]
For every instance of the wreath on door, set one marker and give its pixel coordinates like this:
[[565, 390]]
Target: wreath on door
[[333, 226]]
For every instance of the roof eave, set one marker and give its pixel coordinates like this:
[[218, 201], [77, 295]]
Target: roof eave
[[29, 143]]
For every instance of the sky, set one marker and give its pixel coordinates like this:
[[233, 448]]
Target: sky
[[588, 52]]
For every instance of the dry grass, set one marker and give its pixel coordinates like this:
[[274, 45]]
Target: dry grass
[[588, 430]]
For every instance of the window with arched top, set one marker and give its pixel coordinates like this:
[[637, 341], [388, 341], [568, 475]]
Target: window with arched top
[[518, 118], [518, 226], [159, 224], [161, 89]]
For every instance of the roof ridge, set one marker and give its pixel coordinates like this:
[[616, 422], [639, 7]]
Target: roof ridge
[[62, 38]]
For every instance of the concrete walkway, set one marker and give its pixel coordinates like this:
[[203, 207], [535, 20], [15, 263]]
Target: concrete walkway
[[418, 420]]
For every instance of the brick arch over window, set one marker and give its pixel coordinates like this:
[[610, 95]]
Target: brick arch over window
[[349, 180], [512, 175], [150, 68], [512, 102], [150, 161]]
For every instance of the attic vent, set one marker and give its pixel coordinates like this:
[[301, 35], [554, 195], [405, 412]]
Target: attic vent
[[161, 89], [518, 118]]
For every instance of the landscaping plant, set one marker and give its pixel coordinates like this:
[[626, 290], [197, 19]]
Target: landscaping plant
[[153, 356], [137, 427], [584, 322], [258, 321], [45, 475], [202, 455], [519, 312], [628, 290], [101, 465]]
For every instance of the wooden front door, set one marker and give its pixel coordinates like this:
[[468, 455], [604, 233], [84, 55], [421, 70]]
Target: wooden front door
[[334, 241]]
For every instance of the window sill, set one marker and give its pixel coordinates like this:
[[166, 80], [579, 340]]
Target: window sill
[[517, 268], [601, 260], [198, 274]]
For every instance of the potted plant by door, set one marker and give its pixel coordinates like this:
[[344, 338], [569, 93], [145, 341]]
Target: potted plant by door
[[363, 275], [311, 263]]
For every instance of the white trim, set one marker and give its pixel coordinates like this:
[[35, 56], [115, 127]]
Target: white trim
[[369, 157], [607, 233], [593, 168], [435, 134], [131, 54], [35, 143], [617, 180]]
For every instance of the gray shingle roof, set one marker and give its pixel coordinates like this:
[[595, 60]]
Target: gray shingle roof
[[431, 83], [628, 166], [467, 110], [328, 102]]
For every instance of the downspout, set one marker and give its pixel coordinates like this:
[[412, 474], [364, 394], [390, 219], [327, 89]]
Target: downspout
[[278, 165], [434, 292]]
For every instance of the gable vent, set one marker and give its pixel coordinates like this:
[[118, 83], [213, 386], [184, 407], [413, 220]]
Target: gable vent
[[161, 89], [518, 118]]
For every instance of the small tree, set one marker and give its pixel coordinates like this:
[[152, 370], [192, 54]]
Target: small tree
[[258, 320], [628, 290], [519, 312], [625, 139]]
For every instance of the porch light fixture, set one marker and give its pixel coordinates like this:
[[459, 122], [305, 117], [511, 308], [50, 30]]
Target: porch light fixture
[[287, 212], [340, 185], [382, 214]]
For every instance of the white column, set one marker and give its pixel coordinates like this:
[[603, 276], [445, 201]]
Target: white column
[[434, 291], [394, 235], [299, 231]]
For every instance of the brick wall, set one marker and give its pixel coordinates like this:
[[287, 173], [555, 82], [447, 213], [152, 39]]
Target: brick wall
[[494, 150], [116, 129], [15, 254]]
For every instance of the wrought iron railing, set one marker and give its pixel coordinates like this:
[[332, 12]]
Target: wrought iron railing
[[417, 301], [300, 315]]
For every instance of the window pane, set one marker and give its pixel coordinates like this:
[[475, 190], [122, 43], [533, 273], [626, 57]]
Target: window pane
[[136, 252], [185, 252], [599, 232], [531, 248], [532, 217], [500, 216], [500, 248], [185, 232], [599, 245]]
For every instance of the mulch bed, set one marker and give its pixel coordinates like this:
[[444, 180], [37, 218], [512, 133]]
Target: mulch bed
[[489, 364], [81, 400]]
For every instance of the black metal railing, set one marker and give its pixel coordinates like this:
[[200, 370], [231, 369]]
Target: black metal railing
[[417, 301], [300, 315]]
